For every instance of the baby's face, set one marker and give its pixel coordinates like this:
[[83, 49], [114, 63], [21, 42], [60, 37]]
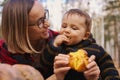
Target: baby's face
[[74, 28]]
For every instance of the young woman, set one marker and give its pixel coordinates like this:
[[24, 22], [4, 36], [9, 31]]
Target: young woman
[[25, 34]]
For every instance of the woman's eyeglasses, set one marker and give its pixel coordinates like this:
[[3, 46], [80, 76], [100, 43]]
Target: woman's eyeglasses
[[41, 21]]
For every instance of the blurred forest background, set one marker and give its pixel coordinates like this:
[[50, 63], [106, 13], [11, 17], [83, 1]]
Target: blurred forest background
[[105, 15]]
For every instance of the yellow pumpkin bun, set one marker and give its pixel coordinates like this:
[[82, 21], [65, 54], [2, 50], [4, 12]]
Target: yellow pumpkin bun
[[78, 60]]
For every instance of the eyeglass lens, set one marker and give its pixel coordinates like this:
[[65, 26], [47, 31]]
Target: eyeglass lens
[[42, 20]]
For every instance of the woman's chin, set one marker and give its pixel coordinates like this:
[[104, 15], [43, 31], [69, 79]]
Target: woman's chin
[[45, 36]]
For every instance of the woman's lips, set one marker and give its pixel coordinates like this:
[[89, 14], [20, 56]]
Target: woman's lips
[[45, 32]]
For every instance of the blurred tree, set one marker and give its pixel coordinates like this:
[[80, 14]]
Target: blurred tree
[[112, 25], [3, 2]]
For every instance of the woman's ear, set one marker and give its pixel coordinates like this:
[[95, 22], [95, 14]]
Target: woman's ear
[[87, 34]]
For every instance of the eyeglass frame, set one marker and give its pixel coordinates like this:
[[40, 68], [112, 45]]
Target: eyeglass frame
[[40, 22]]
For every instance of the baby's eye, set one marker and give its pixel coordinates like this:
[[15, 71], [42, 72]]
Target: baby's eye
[[74, 28], [64, 26]]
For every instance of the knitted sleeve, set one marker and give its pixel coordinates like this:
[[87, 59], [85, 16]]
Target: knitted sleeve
[[47, 57], [107, 67], [49, 53], [104, 61]]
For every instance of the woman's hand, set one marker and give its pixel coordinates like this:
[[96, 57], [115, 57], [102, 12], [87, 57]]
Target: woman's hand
[[93, 71], [61, 66]]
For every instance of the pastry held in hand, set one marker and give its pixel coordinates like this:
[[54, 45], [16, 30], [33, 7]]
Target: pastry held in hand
[[78, 60]]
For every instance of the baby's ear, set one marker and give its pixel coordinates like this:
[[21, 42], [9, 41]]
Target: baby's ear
[[86, 35]]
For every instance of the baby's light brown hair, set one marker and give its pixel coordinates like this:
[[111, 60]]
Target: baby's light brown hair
[[79, 12]]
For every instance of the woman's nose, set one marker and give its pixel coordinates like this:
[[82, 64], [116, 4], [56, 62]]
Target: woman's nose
[[46, 24]]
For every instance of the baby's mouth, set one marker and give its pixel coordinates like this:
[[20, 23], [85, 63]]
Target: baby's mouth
[[68, 37]]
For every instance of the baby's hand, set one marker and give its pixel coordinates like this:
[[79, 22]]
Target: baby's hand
[[93, 71], [59, 40], [61, 67]]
